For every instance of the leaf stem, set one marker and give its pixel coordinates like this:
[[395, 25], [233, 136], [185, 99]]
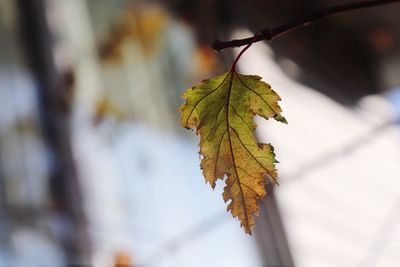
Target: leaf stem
[[272, 33], [233, 68]]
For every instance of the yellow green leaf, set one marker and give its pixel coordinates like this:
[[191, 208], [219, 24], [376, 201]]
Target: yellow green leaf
[[222, 111]]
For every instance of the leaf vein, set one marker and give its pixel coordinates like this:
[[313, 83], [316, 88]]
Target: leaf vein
[[245, 85], [205, 96]]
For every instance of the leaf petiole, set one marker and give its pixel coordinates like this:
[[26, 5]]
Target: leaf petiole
[[233, 67]]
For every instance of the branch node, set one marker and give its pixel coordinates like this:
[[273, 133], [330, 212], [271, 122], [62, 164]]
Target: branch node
[[216, 46], [267, 34]]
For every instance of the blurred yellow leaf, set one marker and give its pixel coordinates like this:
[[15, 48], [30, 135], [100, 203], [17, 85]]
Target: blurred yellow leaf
[[222, 111], [143, 25], [105, 108], [122, 259]]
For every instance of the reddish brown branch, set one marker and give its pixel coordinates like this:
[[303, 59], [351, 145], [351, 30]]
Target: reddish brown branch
[[270, 34]]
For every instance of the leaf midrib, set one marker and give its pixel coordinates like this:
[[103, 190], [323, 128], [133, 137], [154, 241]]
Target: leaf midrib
[[228, 127]]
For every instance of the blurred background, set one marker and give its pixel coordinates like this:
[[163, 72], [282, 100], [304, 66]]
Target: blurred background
[[96, 171]]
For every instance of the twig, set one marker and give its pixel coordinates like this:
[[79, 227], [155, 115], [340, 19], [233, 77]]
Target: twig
[[269, 34]]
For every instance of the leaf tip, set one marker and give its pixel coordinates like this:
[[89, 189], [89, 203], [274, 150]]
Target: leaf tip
[[280, 118], [248, 228]]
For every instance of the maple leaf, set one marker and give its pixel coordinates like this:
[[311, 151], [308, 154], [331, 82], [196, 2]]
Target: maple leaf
[[222, 111]]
